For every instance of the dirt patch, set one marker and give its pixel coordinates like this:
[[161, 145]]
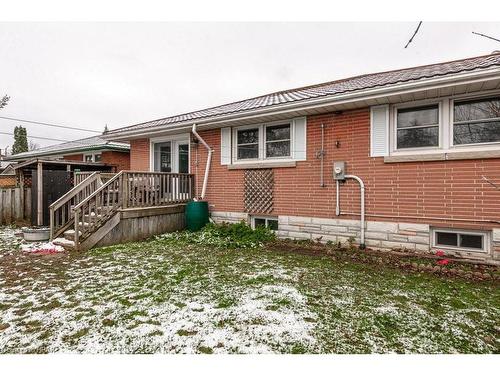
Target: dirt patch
[[411, 261]]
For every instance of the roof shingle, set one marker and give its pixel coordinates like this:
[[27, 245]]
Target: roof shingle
[[333, 88]]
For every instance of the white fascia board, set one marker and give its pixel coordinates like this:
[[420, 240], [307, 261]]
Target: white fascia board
[[373, 93]]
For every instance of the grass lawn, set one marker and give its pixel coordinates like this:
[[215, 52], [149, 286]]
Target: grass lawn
[[158, 297]]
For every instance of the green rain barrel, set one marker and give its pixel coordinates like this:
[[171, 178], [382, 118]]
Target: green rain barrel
[[196, 215]]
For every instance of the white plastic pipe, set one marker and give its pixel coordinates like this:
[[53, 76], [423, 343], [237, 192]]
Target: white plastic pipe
[[209, 161], [337, 210], [337, 207]]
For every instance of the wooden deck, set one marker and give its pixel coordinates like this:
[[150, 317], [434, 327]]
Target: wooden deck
[[96, 201]]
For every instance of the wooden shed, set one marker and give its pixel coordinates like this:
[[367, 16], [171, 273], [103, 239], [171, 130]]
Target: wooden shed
[[48, 180]]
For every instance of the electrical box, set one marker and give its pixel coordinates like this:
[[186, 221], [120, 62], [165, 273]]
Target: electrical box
[[339, 170]]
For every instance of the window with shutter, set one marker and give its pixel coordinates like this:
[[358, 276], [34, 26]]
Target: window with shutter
[[280, 140]]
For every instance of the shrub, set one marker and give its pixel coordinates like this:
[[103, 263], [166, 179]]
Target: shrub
[[229, 236]]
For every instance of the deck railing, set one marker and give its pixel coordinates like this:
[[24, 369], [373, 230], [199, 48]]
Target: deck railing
[[61, 214], [78, 177], [130, 190]]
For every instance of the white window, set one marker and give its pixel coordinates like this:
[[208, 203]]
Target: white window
[[277, 141], [268, 222], [417, 127], [453, 124], [247, 143], [476, 121], [460, 240], [92, 158], [264, 142], [271, 142]]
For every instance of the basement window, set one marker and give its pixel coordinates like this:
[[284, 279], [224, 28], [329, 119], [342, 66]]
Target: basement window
[[268, 222], [460, 240]]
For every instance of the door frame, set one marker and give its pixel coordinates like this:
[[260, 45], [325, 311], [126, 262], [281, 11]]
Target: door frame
[[175, 141]]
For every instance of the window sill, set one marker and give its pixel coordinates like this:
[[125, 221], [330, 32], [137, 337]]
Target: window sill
[[263, 165], [463, 155]]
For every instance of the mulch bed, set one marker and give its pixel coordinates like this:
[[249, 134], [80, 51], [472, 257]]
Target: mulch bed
[[409, 260]]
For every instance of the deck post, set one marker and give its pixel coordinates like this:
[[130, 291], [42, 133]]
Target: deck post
[[21, 187], [124, 190], [39, 206]]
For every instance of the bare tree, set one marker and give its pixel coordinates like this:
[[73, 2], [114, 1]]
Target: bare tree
[[32, 146]]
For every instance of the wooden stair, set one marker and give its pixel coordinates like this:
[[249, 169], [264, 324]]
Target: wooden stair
[[89, 211]]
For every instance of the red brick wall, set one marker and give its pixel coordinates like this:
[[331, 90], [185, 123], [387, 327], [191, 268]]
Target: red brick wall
[[77, 157], [120, 159], [444, 189], [225, 188], [139, 154]]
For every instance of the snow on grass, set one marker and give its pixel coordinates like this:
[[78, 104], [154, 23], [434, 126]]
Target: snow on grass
[[155, 297]]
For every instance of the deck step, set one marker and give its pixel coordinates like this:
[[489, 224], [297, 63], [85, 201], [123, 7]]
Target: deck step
[[67, 244], [70, 235]]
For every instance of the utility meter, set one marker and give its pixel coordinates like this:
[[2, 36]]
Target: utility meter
[[339, 170]]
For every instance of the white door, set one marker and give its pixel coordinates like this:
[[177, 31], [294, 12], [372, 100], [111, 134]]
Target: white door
[[173, 157]]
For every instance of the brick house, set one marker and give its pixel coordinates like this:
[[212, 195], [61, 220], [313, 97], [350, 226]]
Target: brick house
[[93, 149], [424, 141]]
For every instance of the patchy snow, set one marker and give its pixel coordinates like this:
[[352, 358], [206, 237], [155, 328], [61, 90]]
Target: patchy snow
[[150, 298]]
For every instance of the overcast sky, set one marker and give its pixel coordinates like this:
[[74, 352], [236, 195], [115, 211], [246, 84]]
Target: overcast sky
[[91, 74]]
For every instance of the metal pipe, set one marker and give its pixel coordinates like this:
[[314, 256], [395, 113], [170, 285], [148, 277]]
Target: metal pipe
[[209, 161], [362, 187], [337, 207], [322, 154]]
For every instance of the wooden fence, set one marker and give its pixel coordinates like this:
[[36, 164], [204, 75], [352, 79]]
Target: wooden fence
[[7, 181], [15, 205]]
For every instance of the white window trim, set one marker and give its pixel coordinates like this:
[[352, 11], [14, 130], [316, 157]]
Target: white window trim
[[484, 234], [176, 140], [394, 129], [266, 218], [262, 143], [445, 127], [92, 154], [290, 140]]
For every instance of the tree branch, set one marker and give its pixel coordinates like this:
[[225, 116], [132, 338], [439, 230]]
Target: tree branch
[[415, 33]]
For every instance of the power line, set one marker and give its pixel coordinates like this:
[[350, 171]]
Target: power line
[[415, 33], [49, 124], [44, 138], [486, 36]]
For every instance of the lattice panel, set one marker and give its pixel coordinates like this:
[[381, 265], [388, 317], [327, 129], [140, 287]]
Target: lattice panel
[[259, 184]]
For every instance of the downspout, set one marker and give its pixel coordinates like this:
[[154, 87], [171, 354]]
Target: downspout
[[209, 161], [337, 209]]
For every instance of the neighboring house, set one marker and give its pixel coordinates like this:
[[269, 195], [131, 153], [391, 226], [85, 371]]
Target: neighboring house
[[93, 149], [7, 168], [421, 139]]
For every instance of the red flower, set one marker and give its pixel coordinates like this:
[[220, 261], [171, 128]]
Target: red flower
[[443, 262], [440, 253]]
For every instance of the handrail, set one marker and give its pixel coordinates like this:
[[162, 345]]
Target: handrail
[[60, 211], [55, 205], [102, 187], [133, 190]]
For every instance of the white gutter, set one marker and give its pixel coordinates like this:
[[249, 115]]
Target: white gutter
[[349, 97], [209, 161]]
